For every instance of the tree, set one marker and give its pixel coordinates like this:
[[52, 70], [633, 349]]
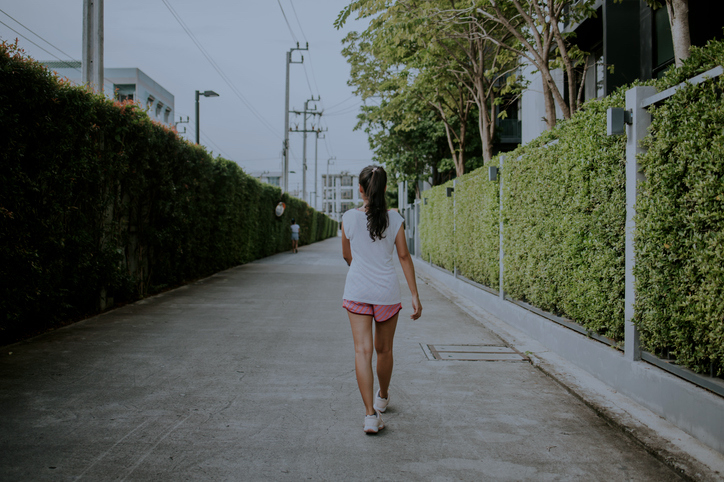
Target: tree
[[679, 22], [391, 62], [482, 66], [535, 24]]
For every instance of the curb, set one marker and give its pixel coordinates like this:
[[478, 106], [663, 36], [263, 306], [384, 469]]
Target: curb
[[682, 453]]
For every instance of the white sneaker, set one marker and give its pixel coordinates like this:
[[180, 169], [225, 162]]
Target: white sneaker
[[374, 423], [381, 403]]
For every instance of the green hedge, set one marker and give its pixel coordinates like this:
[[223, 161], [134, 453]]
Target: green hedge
[[680, 222], [564, 219], [98, 204], [565, 212], [474, 246], [564, 216]]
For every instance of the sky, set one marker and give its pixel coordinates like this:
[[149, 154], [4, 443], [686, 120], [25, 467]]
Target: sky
[[248, 40]]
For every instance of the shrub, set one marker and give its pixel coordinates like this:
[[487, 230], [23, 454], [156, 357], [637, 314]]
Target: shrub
[[98, 204], [680, 221]]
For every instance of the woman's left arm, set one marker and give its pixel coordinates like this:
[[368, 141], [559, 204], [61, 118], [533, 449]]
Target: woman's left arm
[[408, 268]]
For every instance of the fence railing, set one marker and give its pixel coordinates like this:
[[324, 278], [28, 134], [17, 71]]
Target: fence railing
[[638, 119]]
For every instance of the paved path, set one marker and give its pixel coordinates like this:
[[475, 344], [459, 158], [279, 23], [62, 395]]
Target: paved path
[[248, 375]]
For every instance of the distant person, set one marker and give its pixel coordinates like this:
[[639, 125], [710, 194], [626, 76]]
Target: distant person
[[295, 236], [372, 290]]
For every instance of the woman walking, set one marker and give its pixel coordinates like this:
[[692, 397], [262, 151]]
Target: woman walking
[[372, 290], [295, 236]]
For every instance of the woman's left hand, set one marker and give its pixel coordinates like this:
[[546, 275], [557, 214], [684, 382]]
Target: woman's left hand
[[416, 308]]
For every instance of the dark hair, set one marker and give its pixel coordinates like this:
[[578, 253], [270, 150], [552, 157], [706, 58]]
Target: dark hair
[[373, 180], [292, 219]]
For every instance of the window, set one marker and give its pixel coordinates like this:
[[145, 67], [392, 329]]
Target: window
[[346, 180], [149, 102], [166, 115], [125, 92], [273, 180], [159, 108], [663, 44], [595, 75]]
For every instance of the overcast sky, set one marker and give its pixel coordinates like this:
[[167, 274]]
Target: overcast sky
[[248, 40]]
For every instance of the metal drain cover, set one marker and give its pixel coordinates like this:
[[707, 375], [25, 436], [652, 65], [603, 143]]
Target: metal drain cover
[[473, 353]]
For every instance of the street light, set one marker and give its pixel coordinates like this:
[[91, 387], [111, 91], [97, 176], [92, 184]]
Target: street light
[[206, 93]]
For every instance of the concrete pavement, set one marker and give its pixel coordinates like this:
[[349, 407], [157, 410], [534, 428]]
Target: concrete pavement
[[248, 375]]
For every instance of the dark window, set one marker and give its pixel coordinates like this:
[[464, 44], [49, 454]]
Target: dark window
[[663, 45]]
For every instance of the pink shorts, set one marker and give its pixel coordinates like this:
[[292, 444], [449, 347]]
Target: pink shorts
[[379, 312]]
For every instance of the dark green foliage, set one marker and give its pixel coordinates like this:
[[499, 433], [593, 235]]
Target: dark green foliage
[[680, 221], [564, 213], [98, 204]]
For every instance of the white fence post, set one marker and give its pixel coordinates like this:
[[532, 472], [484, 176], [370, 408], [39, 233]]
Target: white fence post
[[641, 120], [501, 289], [416, 234], [455, 257]]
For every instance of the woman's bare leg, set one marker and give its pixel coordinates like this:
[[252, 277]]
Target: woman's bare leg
[[362, 334], [384, 336]]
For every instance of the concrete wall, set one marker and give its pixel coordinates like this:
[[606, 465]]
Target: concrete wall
[[533, 110], [694, 410]]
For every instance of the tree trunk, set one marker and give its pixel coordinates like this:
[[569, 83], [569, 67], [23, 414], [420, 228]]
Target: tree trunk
[[484, 121], [679, 21], [549, 104]]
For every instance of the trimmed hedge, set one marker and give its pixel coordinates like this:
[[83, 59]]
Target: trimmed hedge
[[564, 214], [680, 222], [474, 246], [98, 204]]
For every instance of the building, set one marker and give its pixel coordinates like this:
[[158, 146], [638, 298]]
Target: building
[[126, 84], [627, 40], [268, 177], [340, 193]]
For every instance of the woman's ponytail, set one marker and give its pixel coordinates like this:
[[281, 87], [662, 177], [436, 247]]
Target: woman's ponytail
[[373, 180]]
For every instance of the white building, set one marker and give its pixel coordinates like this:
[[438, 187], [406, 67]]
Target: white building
[[340, 193], [268, 177], [126, 84]]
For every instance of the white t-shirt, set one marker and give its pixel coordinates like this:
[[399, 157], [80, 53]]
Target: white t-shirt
[[295, 228], [371, 277]]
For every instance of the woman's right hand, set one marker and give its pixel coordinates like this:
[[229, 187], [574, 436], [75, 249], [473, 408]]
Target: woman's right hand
[[416, 308]]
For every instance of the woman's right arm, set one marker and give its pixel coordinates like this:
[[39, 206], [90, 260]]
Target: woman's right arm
[[346, 249], [409, 269]]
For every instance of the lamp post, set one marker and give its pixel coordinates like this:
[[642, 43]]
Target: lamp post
[[206, 93]]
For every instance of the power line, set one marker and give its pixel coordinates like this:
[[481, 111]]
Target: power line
[[294, 37], [41, 38], [216, 67], [209, 139], [340, 103], [309, 55], [41, 48], [219, 149], [68, 64], [344, 111], [298, 23], [307, 77]]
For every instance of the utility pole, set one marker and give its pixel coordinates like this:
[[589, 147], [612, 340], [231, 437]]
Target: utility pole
[[316, 176], [92, 65], [304, 130], [285, 157], [326, 182]]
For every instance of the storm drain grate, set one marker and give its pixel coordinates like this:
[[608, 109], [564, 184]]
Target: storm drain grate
[[472, 353]]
